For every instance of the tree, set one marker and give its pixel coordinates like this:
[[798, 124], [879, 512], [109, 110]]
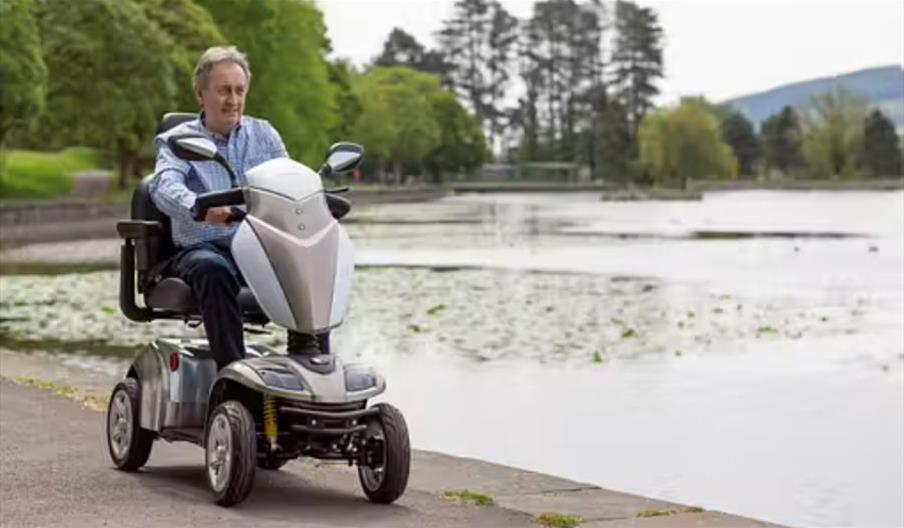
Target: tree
[[612, 147], [781, 136], [562, 67], [347, 103], [402, 49], [636, 59], [462, 146], [683, 143], [397, 122], [881, 155], [23, 75], [463, 40], [834, 134], [192, 30], [501, 39], [286, 45], [738, 133], [106, 56]]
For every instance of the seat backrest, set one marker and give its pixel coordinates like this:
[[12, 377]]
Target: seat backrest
[[159, 248], [172, 119], [155, 250]]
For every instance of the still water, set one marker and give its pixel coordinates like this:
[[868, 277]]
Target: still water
[[744, 353]]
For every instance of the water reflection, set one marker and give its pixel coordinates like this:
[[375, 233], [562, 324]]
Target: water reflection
[[610, 343]]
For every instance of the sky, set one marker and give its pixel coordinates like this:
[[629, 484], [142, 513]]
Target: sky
[[719, 49]]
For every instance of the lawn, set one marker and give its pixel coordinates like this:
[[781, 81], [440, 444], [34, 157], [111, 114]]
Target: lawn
[[33, 175]]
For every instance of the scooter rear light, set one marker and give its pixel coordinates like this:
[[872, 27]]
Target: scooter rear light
[[174, 361]]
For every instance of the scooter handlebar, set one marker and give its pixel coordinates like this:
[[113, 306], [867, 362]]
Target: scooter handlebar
[[235, 196]]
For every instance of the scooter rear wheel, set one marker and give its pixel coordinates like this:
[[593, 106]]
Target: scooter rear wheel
[[128, 443], [387, 481], [230, 447]]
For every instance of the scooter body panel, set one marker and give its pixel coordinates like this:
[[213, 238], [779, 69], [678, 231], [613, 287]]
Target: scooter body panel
[[297, 259], [177, 398]]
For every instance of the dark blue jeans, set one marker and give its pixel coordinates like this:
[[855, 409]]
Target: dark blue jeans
[[209, 269]]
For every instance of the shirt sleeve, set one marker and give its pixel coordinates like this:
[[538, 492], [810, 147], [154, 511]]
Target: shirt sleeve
[[275, 146], [168, 189]]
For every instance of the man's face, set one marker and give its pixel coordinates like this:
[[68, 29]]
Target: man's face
[[223, 99]]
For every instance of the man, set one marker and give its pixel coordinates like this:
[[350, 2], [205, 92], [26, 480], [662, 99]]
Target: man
[[221, 81]]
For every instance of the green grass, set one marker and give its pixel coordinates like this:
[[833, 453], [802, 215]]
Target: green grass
[[560, 520], [664, 513], [469, 497], [34, 175]]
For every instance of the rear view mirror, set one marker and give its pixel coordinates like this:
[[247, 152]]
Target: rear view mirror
[[193, 147], [343, 157]]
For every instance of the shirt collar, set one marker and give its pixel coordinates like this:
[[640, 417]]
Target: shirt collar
[[218, 136]]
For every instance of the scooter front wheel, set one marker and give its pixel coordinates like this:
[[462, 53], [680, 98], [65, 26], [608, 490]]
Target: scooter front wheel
[[230, 447], [128, 443], [385, 479]]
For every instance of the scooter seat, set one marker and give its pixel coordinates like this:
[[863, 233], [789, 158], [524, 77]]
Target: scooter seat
[[174, 295]]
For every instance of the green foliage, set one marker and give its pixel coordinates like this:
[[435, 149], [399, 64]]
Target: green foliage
[[191, 30], [683, 143], [834, 136], [462, 147], [23, 75], [738, 133], [881, 154], [106, 56], [347, 104], [781, 137], [34, 175], [286, 45], [559, 520], [469, 497], [397, 122]]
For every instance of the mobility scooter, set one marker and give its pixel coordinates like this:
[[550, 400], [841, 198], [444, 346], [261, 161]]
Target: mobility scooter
[[273, 406]]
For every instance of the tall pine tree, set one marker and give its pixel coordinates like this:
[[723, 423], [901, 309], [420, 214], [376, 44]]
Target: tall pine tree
[[881, 155], [636, 59], [781, 136]]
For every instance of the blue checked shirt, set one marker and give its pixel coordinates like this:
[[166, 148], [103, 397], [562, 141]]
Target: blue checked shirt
[[177, 182]]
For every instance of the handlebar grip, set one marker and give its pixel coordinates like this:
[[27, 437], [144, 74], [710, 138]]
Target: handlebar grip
[[235, 196], [236, 215]]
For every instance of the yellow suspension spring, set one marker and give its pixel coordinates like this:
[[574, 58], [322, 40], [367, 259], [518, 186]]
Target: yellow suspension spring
[[270, 421]]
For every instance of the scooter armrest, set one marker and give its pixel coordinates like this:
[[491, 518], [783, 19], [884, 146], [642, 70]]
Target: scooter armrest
[[139, 229]]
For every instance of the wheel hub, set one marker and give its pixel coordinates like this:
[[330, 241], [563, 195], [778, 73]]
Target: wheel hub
[[120, 424], [219, 452]]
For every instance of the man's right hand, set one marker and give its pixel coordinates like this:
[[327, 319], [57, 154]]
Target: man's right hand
[[219, 215]]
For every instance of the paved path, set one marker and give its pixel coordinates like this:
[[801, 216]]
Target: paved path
[[55, 471]]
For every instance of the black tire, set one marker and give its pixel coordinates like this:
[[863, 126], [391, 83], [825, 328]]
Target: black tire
[[386, 488], [271, 463], [134, 452], [242, 450]]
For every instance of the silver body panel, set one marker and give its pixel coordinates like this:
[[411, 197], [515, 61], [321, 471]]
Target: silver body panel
[[178, 399], [297, 259]]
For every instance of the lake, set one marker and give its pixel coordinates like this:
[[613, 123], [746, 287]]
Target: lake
[[743, 353]]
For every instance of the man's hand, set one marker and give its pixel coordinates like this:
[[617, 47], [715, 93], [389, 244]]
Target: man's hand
[[219, 215]]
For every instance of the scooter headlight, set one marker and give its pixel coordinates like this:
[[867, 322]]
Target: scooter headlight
[[359, 378], [281, 379]]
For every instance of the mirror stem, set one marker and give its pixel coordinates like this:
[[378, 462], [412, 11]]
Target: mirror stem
[[233, 180]]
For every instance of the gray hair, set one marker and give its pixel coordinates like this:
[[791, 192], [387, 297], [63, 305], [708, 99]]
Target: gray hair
[[217, 55]]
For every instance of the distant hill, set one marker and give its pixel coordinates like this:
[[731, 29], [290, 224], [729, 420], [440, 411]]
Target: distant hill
[[884, 86]]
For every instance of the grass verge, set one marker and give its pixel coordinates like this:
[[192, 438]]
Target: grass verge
[[35, 175], [559, 520], [469, 497], [663, 513], [92, 402]]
